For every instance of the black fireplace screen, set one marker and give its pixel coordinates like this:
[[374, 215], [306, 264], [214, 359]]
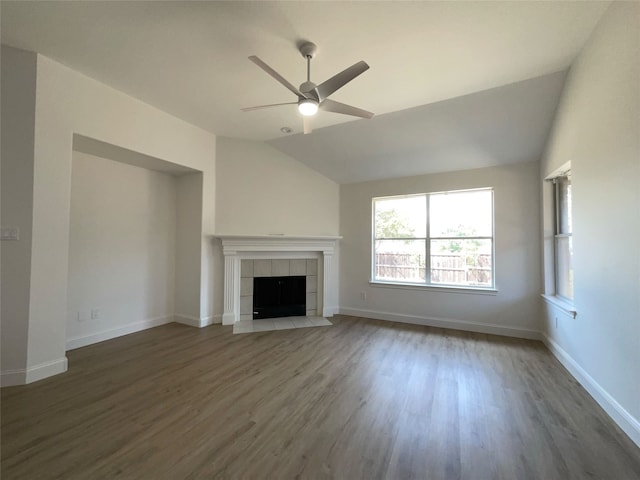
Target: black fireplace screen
[[279, 297]]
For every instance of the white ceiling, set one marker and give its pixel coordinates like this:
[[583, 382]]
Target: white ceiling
[[190, 59], [495, 127]]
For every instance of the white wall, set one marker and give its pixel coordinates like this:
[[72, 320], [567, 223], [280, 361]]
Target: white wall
[[262, 191], [514, 310], [18, 99], [188, 248], [122, 249], [67, 102], [597, 128]]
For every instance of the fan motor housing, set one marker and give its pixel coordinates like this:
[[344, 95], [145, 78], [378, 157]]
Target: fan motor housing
[[308, 49], [307, 87]]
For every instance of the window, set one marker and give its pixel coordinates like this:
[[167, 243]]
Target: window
[[563, 237], [440, 239]]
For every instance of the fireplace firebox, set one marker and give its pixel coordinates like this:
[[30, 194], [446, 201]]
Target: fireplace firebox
[[279, 297]]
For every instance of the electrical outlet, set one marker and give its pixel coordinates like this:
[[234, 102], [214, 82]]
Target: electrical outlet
[[556, 322], [82, 316], [363, 295], [95, 314]]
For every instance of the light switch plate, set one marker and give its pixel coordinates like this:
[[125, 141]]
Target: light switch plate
[[10, 233]]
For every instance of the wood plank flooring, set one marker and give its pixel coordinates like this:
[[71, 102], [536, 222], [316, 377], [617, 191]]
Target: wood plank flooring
[[362, 399]]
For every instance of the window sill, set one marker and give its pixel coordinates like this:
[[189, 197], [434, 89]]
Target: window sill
[[434, 288], [563, 305]]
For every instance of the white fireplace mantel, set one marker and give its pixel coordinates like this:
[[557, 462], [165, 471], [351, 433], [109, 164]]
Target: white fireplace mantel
[[240, 247]]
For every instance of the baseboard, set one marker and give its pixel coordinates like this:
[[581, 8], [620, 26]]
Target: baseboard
[[195, 321], [444, 323], [629, 424], [33, 374], [85, 340], [9, 378], [47, 369], [330, 311]]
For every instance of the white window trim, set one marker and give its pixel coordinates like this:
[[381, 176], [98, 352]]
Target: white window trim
[[435, 288], [427, 285], [561, 303]]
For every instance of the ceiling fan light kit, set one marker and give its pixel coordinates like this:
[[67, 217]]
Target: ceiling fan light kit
[[312, 97], [308, 107]]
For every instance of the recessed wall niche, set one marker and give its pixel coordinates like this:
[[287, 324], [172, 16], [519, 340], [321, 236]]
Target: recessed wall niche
[[134, 242]]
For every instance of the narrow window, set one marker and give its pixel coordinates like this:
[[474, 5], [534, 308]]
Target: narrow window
[[563, 237]]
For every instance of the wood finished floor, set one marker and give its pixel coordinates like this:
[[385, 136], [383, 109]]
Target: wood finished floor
[[362, 399]]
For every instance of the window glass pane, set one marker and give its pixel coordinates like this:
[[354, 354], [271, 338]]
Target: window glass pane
[[400, 260], [564, 205], [461, 262], [461, 214], [402, 217], [564, 267]]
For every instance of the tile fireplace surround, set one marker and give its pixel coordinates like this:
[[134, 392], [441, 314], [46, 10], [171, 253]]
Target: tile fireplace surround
[[278, 247]]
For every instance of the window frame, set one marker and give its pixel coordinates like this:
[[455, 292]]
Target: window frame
[[427, 284], [558, 234], [550, 293]]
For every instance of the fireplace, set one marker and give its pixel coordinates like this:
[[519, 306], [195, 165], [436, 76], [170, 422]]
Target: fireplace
[[282, 269], [250, 256], [275, 297]]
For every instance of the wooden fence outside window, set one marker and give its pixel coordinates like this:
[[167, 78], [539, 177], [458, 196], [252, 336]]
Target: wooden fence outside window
[[448, 269]]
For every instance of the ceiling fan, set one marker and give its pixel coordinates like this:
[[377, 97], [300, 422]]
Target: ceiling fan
[[312, 97]]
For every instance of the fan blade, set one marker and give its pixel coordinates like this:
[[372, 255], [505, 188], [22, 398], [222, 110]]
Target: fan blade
[[341, 79], [337, 107], [250, 109], [275, 75], [306, 125]]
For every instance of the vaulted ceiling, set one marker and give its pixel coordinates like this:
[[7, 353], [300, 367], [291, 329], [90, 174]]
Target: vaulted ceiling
[[453, 84]]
